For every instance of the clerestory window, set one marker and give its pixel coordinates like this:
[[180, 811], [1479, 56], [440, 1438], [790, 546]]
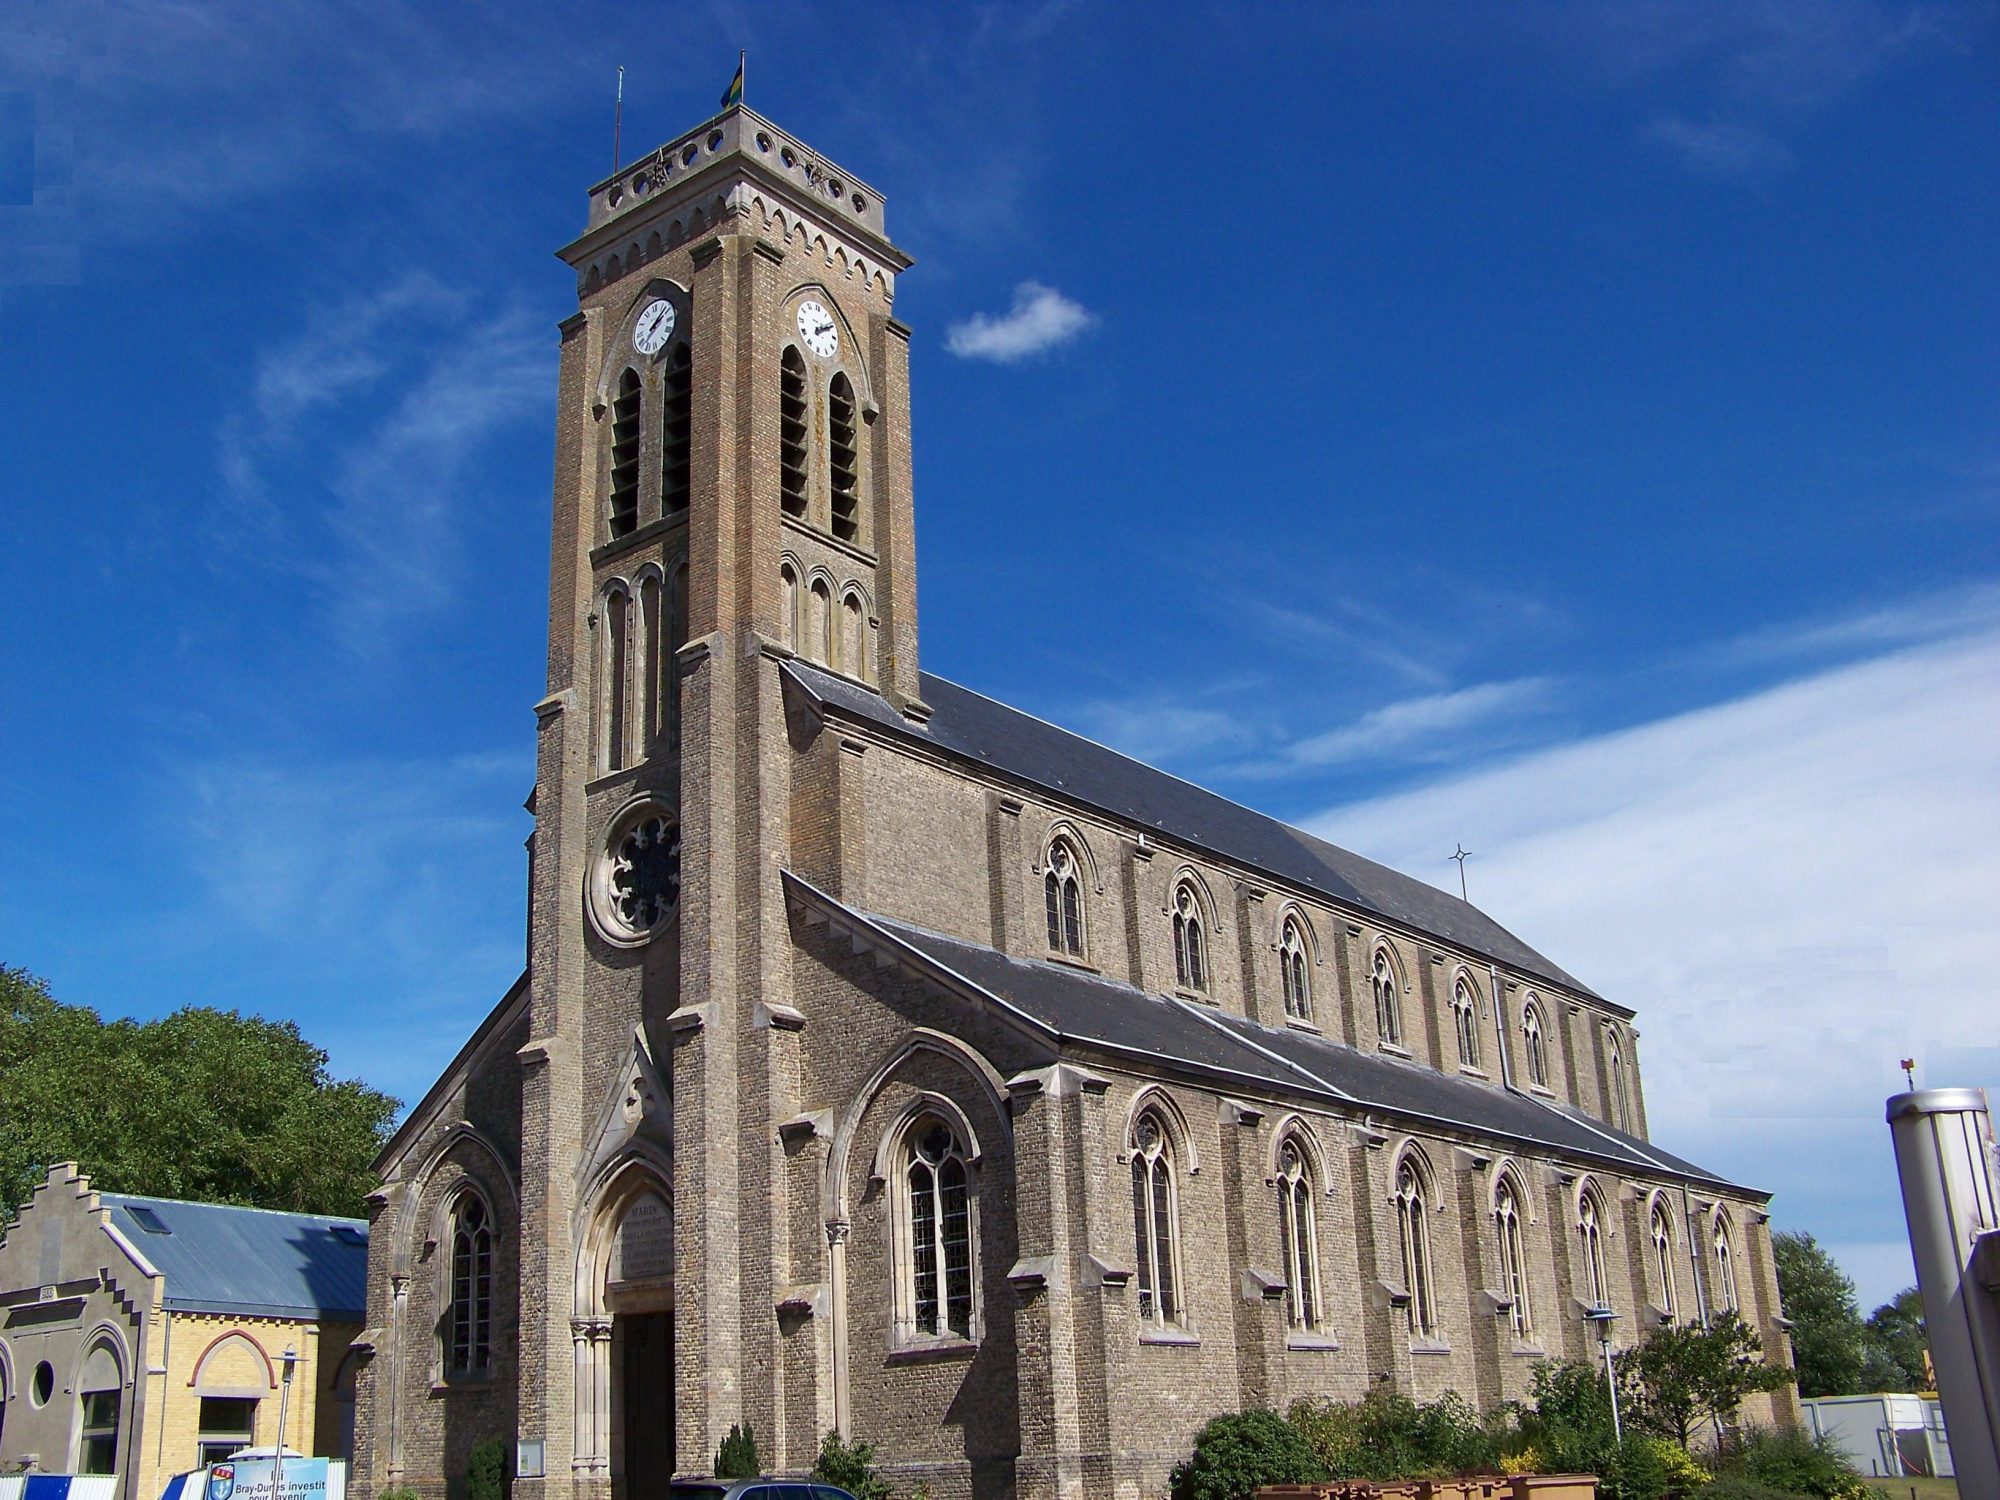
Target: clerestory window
[[1535, 1045], [1465, 1019], [1388, 999], [1062, 892], [1190, 951], [1295, 970]]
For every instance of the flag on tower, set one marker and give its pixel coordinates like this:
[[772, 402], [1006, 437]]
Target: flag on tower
[[733, 95]]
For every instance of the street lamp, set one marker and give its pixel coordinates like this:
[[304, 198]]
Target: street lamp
[[1603, 1316], [289, 1359]]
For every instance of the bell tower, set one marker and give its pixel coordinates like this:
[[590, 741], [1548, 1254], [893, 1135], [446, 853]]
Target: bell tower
[[732, 489]]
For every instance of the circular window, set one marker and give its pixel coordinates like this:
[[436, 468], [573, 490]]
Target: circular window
[[635, 885], [44, 1384], [715, 140]]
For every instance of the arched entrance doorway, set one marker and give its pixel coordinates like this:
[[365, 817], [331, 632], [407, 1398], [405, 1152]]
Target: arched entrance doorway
[[624, 1337]]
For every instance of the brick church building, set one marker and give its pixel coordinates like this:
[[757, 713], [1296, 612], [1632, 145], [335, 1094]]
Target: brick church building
[[891, 1061]]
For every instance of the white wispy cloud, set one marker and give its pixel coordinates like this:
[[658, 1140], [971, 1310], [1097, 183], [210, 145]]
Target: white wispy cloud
[[1040, 319], [1720, 148], [1793, 889], [1434, 727], [353, 456], [392, 887]]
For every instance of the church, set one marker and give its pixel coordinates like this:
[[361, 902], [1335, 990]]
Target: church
[[889, 1061]]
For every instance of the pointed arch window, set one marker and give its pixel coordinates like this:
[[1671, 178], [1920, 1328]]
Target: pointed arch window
[[1298, 1239], [819, 622], [1296, 971], [1535, 1045], [1725, 1267], [843, 460], [788, 603], [853, 636], [1465, 1019], [1413, 1239], [938, 1250], [1513, 1257], [617, 618], [1596, 1286], [676, 431], [792, 432], [1388, 999], [469, 1331], [1662, 1232], [1156, 1221], [1062, 892], [1190, 950], [625, 455], [1621, 1103], [652, 618]]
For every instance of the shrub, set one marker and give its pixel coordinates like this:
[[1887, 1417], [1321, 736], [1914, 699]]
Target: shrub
[[851, 1466], [486, 1471], [1388, 1436], [737, 1457], [398, 1492], [1235, 1454], [1786, 1458], [1635, 1470]]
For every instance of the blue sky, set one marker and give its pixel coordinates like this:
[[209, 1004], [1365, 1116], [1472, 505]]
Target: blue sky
[[1568, 429]]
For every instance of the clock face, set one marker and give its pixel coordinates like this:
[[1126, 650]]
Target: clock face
[[816, 328], [654, 328]]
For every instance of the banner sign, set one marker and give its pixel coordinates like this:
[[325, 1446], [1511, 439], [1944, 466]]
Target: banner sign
[[259, 1479]]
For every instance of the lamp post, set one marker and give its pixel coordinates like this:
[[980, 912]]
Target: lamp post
[[289, 1359], [1603, 1317]]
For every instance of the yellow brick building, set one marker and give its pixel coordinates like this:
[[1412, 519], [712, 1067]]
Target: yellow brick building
[[141, 1336]]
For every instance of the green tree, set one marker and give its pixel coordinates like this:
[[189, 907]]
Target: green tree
[[737, 1457], [1683, 1375], [203, 1104], [1235, 1454], [1893, 1345], [1827, 1331]]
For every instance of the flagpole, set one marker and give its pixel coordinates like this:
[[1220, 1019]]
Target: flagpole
[[743, 72], [618, 123]]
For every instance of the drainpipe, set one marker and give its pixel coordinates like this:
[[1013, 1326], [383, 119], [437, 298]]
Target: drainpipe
[[1500, 1028], [1694, 1255]]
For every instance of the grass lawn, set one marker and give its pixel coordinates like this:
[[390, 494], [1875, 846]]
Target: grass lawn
[[1923, 1489]]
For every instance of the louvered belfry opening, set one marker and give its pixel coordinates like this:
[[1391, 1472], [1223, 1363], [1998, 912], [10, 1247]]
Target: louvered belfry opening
[[792, 433], [625, 455], [676, 431], [843, 461]]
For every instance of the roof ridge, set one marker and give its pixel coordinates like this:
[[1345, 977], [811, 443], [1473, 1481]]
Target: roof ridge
[[235, 1208]]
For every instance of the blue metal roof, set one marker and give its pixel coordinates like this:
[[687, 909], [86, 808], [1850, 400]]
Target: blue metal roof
[[253, 1262]]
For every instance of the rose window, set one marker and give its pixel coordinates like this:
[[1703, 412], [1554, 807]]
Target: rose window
[[646, 873]]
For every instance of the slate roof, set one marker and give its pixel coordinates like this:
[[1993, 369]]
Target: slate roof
[[1075, 1007], [252, 1262], [1021, 747]]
